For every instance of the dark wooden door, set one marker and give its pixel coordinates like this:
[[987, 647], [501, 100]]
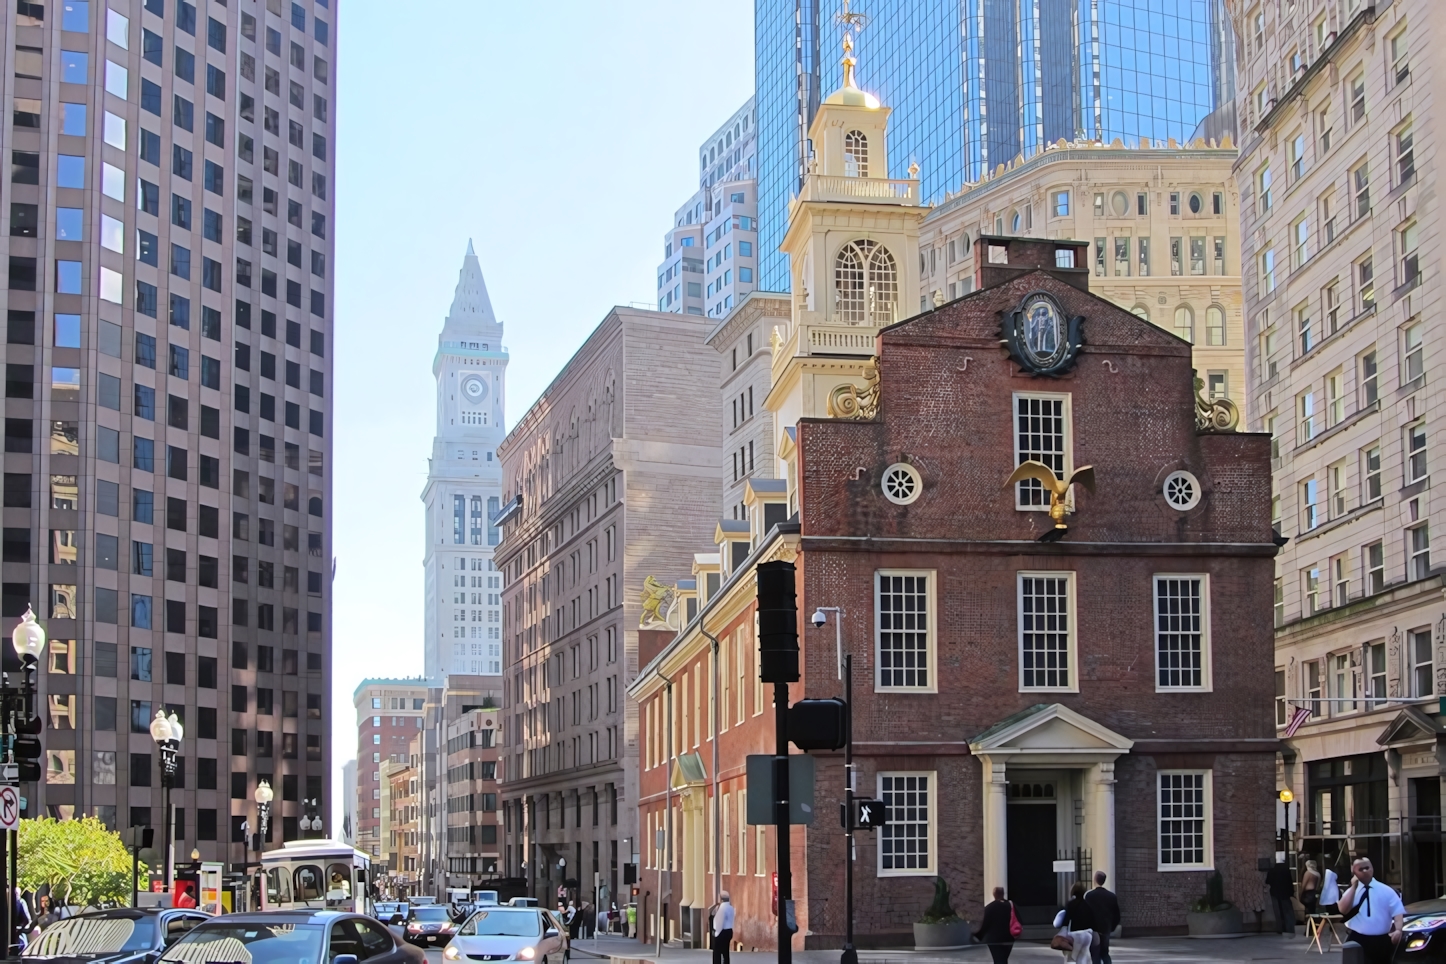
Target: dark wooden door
[[1031, 841]]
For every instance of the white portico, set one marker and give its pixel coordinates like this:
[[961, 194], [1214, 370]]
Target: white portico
[[1051, 771]]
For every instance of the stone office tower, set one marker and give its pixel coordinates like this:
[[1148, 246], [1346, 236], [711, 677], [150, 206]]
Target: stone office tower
[[464, 487], [169, 208]]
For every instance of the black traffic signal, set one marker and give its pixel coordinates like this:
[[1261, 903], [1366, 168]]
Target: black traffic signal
[[872, 813], [819, 724], [777, 623], [28, 750]]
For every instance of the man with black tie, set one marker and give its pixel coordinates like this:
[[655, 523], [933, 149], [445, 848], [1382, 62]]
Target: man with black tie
[[1374, 913]]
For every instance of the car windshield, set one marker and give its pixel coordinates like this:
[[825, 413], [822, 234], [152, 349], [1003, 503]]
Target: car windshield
[[222, 942], [502, 923], [78, 936], [431, 914]]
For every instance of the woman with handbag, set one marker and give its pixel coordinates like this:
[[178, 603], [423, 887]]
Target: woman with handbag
[[999, 927], [1076, 925]]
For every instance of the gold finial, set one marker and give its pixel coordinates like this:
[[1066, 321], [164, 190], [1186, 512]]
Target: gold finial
[[850, 21]]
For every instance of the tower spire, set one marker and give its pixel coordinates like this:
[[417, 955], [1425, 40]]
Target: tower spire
[[471, 305], [850, 21]]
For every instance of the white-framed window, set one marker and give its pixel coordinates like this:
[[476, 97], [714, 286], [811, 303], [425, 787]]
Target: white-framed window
[[904, 630], [1418, 655], [1046, 631], [1184, 820], [1182, 631], [1416, 467], [1420, 549], [1042, 433], [906, 842]]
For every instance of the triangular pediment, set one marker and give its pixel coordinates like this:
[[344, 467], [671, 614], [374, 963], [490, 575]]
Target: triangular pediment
[[1048, 727], [1411, 725], [688, 771]]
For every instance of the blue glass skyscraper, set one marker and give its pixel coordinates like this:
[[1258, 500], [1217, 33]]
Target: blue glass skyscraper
[[977, 83]]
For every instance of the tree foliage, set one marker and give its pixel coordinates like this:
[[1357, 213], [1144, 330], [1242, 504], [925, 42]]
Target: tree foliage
[[83, 862]]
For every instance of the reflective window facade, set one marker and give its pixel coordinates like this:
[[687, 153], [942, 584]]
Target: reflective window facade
[[976, 83]]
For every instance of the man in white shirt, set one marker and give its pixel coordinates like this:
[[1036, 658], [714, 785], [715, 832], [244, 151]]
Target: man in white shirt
[[1374, 913], [722, 929]]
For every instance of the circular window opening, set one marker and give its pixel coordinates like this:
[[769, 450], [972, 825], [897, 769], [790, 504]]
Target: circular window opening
[[1182, 491], [902, 483], [1120, 203], [1197, 203]]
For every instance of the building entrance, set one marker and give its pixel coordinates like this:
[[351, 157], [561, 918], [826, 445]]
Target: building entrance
[[1032, 842]]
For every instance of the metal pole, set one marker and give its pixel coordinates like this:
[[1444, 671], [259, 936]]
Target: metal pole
[[7, 727], [135, 869], [850, 955], [9, 908], [780, 820], [14, 889]]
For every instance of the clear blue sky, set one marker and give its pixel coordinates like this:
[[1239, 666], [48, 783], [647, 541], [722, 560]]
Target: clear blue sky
[[560, 144]]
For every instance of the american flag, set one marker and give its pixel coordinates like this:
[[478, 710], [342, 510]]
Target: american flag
[[1297, 720]]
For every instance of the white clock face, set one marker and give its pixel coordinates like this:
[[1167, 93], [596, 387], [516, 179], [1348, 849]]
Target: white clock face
[[474, 389]]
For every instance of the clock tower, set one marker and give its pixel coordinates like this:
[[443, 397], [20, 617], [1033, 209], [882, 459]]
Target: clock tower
[[464, 487]]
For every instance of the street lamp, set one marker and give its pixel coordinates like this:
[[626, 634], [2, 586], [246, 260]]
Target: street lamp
[[20, 728], [846, 673], [263, 798], [167, 733], [311, 820]]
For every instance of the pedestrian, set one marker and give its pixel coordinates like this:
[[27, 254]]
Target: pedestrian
[[1309, 888], [1282, 888], [995, 929], [1374, 913], [574, 920], [722, 929], [1106, 908], [632, 920], [1077, 923]]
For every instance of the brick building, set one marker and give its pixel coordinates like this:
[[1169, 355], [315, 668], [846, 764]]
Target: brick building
[[389, 713], [1023, 693], [472, 846]]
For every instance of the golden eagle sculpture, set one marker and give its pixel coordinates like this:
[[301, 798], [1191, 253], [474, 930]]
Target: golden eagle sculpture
[[1057, 489]]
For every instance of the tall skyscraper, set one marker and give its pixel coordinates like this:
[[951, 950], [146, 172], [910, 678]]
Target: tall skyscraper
[[977, 83], [167, 489], [464, 486]]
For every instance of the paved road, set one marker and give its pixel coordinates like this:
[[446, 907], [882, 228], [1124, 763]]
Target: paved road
[[1257, 948]]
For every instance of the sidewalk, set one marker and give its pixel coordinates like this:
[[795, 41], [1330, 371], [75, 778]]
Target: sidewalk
[[1166, 950]]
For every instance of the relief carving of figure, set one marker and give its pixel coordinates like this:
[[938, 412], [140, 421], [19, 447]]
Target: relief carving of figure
[[657, 604]]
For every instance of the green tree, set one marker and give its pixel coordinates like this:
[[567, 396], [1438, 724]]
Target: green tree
[[83, 862]]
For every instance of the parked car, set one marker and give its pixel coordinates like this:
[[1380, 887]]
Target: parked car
[[386, 908], [124, 933], [1425, 939], [510, 934], [289, 936], [522, 902], [430, 925]]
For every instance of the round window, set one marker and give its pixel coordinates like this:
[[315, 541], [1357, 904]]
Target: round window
[[902, 484], [1196, 203], [1182, 491], [1120, 203], [1014, 223]]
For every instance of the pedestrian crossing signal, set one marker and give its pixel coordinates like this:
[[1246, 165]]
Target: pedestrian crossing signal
[[872, 813]]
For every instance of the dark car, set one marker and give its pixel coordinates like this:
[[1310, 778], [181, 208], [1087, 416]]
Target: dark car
[[430, 925], [129, 934], [289, 936], [1425, 939]]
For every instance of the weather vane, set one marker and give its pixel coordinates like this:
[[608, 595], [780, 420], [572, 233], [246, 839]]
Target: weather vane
[[850, 21]]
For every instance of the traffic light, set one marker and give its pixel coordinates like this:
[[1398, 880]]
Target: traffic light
[[777, 623], [28, 750], [819, 724]]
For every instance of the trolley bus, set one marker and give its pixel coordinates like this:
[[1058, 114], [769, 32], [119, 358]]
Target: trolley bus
[[321, 874]]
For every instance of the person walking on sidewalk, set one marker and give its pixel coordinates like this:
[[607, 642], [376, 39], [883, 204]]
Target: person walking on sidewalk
[[1106, 908], [1079, 922], [1374, 913], [994, 928], [632, 920], [722, 929], [1282, 888]]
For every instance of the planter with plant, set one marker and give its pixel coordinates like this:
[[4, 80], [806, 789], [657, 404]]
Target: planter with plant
[[1212, 915], [940, 928]]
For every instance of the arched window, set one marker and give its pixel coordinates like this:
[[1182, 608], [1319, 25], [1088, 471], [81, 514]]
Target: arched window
[[1142, 310], [1185, 323], [866, 284], [1215, 325], [856, 154]]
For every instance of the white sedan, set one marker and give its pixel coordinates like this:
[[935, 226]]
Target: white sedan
[[510, 934]]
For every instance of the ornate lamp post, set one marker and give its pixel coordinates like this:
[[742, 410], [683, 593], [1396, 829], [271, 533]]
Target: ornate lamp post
[[311, 820], [20, 727], [167, 733], [263, 798]]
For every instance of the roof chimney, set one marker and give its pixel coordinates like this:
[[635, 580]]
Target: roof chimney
[[998, 259]]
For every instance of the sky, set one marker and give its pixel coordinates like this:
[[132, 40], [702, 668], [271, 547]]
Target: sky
[[560, 144]]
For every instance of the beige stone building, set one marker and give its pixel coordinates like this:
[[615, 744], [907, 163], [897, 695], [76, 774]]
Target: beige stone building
[[1163, 222], [742, 343], [610, 477], [1341, 288]]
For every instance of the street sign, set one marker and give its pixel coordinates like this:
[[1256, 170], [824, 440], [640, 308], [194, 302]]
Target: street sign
[[872, 813], [760, 789], [9, 808], [1064, 866]]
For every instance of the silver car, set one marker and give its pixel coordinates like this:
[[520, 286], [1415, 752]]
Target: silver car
[[510, 934]]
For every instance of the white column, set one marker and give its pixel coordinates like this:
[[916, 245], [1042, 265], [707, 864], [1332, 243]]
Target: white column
[[1100, 822], [996, 827]]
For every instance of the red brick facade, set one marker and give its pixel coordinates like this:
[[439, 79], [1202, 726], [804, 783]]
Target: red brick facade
[[948, 397]]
